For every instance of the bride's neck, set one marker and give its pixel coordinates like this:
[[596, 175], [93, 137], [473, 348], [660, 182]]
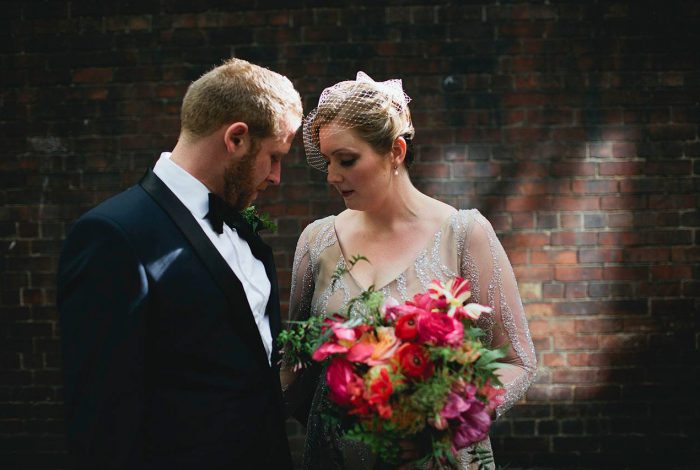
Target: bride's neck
[[404, 205]]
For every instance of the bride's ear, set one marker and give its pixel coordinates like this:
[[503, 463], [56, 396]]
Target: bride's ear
[[398, 150]]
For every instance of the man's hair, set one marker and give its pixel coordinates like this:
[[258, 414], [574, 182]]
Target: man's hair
[[238, 91]]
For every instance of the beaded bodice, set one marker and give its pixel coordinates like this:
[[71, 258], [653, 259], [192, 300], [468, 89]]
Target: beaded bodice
[[465, 245]]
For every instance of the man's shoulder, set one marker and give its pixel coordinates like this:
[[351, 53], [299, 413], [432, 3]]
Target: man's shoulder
[[130, 210], [125, 205]]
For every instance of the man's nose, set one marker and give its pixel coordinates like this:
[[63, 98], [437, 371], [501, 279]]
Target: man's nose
[[275, 175]]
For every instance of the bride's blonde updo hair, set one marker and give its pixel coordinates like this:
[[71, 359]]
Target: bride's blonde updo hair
[[377, 111]]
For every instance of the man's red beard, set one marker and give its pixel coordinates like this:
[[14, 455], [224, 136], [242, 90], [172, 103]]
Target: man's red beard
[[239, 186]]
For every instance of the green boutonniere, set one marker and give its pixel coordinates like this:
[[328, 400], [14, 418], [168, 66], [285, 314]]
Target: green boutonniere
[[258, 221]]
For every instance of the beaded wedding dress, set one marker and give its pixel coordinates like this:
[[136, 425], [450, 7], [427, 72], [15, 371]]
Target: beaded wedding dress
[[465, 245]]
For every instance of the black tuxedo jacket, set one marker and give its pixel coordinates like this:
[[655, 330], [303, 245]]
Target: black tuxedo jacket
[[163, 363]]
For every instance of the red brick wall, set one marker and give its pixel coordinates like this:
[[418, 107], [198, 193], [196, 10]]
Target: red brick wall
[[572, 125]]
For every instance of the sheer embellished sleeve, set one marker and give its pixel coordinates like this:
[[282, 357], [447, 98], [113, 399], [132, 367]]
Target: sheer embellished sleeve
[[485, 263], [302, 289], [298, 386]]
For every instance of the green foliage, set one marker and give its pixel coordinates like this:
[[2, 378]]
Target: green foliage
[[258, 221], [415, 403], [301, 340], [338, 273], [429, 395], [368, 303], [483, 457], [473, 332], [489, 356], [441, 456]]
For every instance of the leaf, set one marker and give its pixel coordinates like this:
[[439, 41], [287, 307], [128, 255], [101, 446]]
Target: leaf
[[338, 273], [258, 221], [490, 355]]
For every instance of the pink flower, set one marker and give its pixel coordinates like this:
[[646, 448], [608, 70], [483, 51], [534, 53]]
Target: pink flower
[[341, 380], [423, 302], [341, 341], [470, 414], [455, 406], [326, 349], [473, 425], [439, 329], [343, 333], [360, 352], [398, 311], [464, 388], [451, 297], [387, 312]]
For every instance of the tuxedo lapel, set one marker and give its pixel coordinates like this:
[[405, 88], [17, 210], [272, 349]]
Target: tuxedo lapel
[[218, 268], [264, 253]]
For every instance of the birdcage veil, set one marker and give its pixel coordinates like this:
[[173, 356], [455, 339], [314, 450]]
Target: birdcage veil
[[352, 104]]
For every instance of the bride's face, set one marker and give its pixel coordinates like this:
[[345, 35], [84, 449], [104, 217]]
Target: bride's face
[[355, 169]]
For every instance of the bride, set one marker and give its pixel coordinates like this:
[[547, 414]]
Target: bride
[[361, 135]]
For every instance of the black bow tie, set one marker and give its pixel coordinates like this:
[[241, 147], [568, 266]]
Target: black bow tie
[[221, 212]]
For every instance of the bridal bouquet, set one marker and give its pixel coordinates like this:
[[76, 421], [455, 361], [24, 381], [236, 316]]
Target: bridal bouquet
[[414, 371]]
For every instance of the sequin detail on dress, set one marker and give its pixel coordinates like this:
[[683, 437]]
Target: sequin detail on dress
[[465, 245]]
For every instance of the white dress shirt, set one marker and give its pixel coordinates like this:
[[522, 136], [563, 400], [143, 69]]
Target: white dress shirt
[[248, 269]]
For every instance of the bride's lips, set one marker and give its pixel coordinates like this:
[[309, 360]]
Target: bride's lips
[[347, 193]]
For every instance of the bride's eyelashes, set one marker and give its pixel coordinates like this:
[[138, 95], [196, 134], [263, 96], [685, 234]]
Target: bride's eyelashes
[[344, 162]]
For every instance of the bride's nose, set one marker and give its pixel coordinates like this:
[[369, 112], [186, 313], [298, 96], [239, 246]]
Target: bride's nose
[[333, 175]]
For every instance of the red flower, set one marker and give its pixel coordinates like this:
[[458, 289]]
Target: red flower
[[407, 327], [414, 361], [357, 392], [493, 395], [380, 390], [440, 329]]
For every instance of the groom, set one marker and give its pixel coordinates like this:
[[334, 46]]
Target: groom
[[168, 300]]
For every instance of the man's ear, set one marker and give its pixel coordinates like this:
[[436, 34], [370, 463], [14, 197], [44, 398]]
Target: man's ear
[[237, 138]]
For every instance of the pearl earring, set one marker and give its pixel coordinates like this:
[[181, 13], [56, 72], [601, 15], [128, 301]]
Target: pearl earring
[[396, 170]]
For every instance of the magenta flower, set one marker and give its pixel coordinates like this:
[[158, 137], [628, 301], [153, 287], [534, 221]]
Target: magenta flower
[[473, 425], [327, 349], [340, 378], [439, 329], [470, 417], [454, 406]]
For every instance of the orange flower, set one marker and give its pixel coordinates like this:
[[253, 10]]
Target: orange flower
[[466, 354], [375, 349]]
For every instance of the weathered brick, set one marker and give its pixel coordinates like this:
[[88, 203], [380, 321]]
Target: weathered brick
[[568, 125], [562, 273]]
